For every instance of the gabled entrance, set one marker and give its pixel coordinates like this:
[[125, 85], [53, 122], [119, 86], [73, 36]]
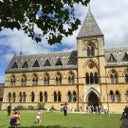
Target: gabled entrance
[[93, 99]]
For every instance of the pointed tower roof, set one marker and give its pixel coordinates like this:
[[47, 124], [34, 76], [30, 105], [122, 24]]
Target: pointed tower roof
[[89, 27]]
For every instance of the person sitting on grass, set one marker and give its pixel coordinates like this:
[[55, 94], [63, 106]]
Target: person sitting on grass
[[14, 119]]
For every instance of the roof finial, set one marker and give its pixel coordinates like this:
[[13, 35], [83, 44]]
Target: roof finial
[[21, 52]]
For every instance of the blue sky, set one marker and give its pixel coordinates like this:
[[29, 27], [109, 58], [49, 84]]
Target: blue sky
[[111, 16]]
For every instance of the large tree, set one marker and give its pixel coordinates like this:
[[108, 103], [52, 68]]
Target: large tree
[[52, 19]]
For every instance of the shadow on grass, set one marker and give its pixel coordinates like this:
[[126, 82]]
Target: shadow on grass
[[55, 126]]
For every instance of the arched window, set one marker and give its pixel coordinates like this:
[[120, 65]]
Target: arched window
[[35, 81], [114, 77], [59, 96], [87, 78], [88, 51], [20, 97], [126, 96], [41, 96], [111, 96], [24, 96], [9, 97], [14, 96], [117, 96], [92, 51], [32, 97], [12, 81], [69, 96], [58, 79], [45, 97], [74, 96], [91, 78], [126, 78], [23, 81], [71, 78], [55, 97], [96, 78], [46, 79]]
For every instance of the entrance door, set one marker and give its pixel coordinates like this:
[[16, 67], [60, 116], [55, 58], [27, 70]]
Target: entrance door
[[93, 99]]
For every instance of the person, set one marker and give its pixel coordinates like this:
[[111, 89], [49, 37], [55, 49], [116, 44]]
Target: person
[[65, 108], [9, 110], [124, 118], [39, 115], [14, 119]]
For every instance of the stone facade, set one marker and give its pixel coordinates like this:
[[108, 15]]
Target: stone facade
[[91, 75]]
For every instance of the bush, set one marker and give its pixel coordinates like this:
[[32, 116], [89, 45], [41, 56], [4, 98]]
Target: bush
[[30, 107], [41, 105], [20, 107]]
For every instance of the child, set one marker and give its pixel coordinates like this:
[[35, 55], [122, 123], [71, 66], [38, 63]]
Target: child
[[14, 119], [39, 115]]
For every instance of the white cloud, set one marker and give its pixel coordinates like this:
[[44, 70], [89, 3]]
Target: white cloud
[[111, 16]]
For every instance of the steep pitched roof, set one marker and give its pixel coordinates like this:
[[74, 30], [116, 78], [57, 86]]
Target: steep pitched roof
[[40, 62], [89, 27]]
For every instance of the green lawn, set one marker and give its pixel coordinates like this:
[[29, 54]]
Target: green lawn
[[57, 120]]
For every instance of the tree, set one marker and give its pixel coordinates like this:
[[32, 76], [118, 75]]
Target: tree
[[51, 19]]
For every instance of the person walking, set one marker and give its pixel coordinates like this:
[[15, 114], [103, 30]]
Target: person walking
[[39, 115], [9, 110], [65, 108]]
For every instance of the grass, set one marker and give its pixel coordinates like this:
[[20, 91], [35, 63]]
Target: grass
[[57, 120]]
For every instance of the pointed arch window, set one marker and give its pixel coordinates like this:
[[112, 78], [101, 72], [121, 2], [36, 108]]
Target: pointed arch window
[[23, 81], [88, 51], [114, 77], [96, 78], [87, 78], [117, 96], [55, 97], [59, 96], [14, 97], [74, 96], [91, 78], [126, 96], [92, 51], [12, 81], [69, 96], [41, 96], [46, 79], [58, 79], [71, 78], [9, 97], [35, 80], [45, 96], [111, 96], [20, 97], [32, 97], [24, 96]]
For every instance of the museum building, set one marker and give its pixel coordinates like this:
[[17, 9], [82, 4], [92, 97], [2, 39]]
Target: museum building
[[90, 75]]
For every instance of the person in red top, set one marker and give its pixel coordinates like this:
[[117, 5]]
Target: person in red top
[[14, 119]]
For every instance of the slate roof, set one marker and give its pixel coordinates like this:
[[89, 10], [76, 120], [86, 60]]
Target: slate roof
[[41, 62], [89, 27], [119, 56]]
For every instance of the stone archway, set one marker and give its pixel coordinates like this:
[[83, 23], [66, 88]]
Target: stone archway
[[93, 99]]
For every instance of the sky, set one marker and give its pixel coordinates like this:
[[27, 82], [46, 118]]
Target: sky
[[111, 16]]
